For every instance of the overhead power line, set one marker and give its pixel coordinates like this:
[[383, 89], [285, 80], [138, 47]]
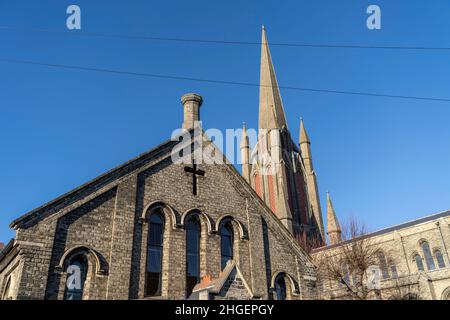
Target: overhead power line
[[216, 41], [248, 84]]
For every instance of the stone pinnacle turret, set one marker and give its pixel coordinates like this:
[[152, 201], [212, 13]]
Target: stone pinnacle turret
[[245, 154], [333, 228]]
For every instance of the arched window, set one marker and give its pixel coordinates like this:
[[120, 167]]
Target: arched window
[[280, 288], [394, 271], [419, 262], [153, 282], [192, 253], [6, 292], [428, 257], [383, 265], [439, 259], [226, 243], [76, 277]]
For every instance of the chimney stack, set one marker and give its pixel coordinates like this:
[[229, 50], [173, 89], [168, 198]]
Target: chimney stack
[[191, 104]]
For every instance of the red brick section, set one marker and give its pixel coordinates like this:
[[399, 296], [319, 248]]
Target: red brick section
[[272, 194], [1, 246], [258, 185]]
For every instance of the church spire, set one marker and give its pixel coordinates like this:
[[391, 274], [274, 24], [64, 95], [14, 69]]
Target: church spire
[[333, 227], [271, 113]]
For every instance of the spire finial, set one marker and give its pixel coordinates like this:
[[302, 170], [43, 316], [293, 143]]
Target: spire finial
[[271, 112]]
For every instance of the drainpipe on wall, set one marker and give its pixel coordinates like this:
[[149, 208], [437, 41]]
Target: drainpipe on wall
[[438, 224]]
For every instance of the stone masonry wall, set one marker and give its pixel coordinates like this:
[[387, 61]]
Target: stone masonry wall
[[112, 222]]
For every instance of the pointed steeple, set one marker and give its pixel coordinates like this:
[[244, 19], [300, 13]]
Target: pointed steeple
[[271, 113], [303, 135], [333, 227]]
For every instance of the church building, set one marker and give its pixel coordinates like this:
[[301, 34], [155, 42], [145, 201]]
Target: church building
[[155, 229]]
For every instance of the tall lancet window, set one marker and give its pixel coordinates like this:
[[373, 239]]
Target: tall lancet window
[[280, 288], [192, 253], [153, 280], [76, 278], [226, 243], [383, 264], [428, 256], [419, 262], [439, 259]]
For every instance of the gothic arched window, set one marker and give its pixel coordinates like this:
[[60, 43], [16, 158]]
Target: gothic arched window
[[226, 243], [192, 253], [428, 257], [280, 288], [76, 277], [383, 264], [419, 262], [439, 259], [153, 281], [393, 270]]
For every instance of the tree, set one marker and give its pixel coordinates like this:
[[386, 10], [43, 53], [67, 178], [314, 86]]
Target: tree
[[354, 268]]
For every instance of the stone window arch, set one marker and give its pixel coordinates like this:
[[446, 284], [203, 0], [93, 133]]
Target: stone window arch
[[243, 234], [78, 267], [205, 220], [428, 256], [207, 228], [193, 238], [77, 271], [158, 279], [393, 269], [419, 263], [383, 264], [439, 258], [155, 253], [226, 243], [99, 264], [283, 286], [239, 234], [170, 215], [280, 288]]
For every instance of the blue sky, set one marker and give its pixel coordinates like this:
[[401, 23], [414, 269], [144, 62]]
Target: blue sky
[[384, 160]]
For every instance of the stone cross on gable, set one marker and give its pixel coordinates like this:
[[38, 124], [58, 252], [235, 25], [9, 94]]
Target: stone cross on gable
[[195, 172]]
